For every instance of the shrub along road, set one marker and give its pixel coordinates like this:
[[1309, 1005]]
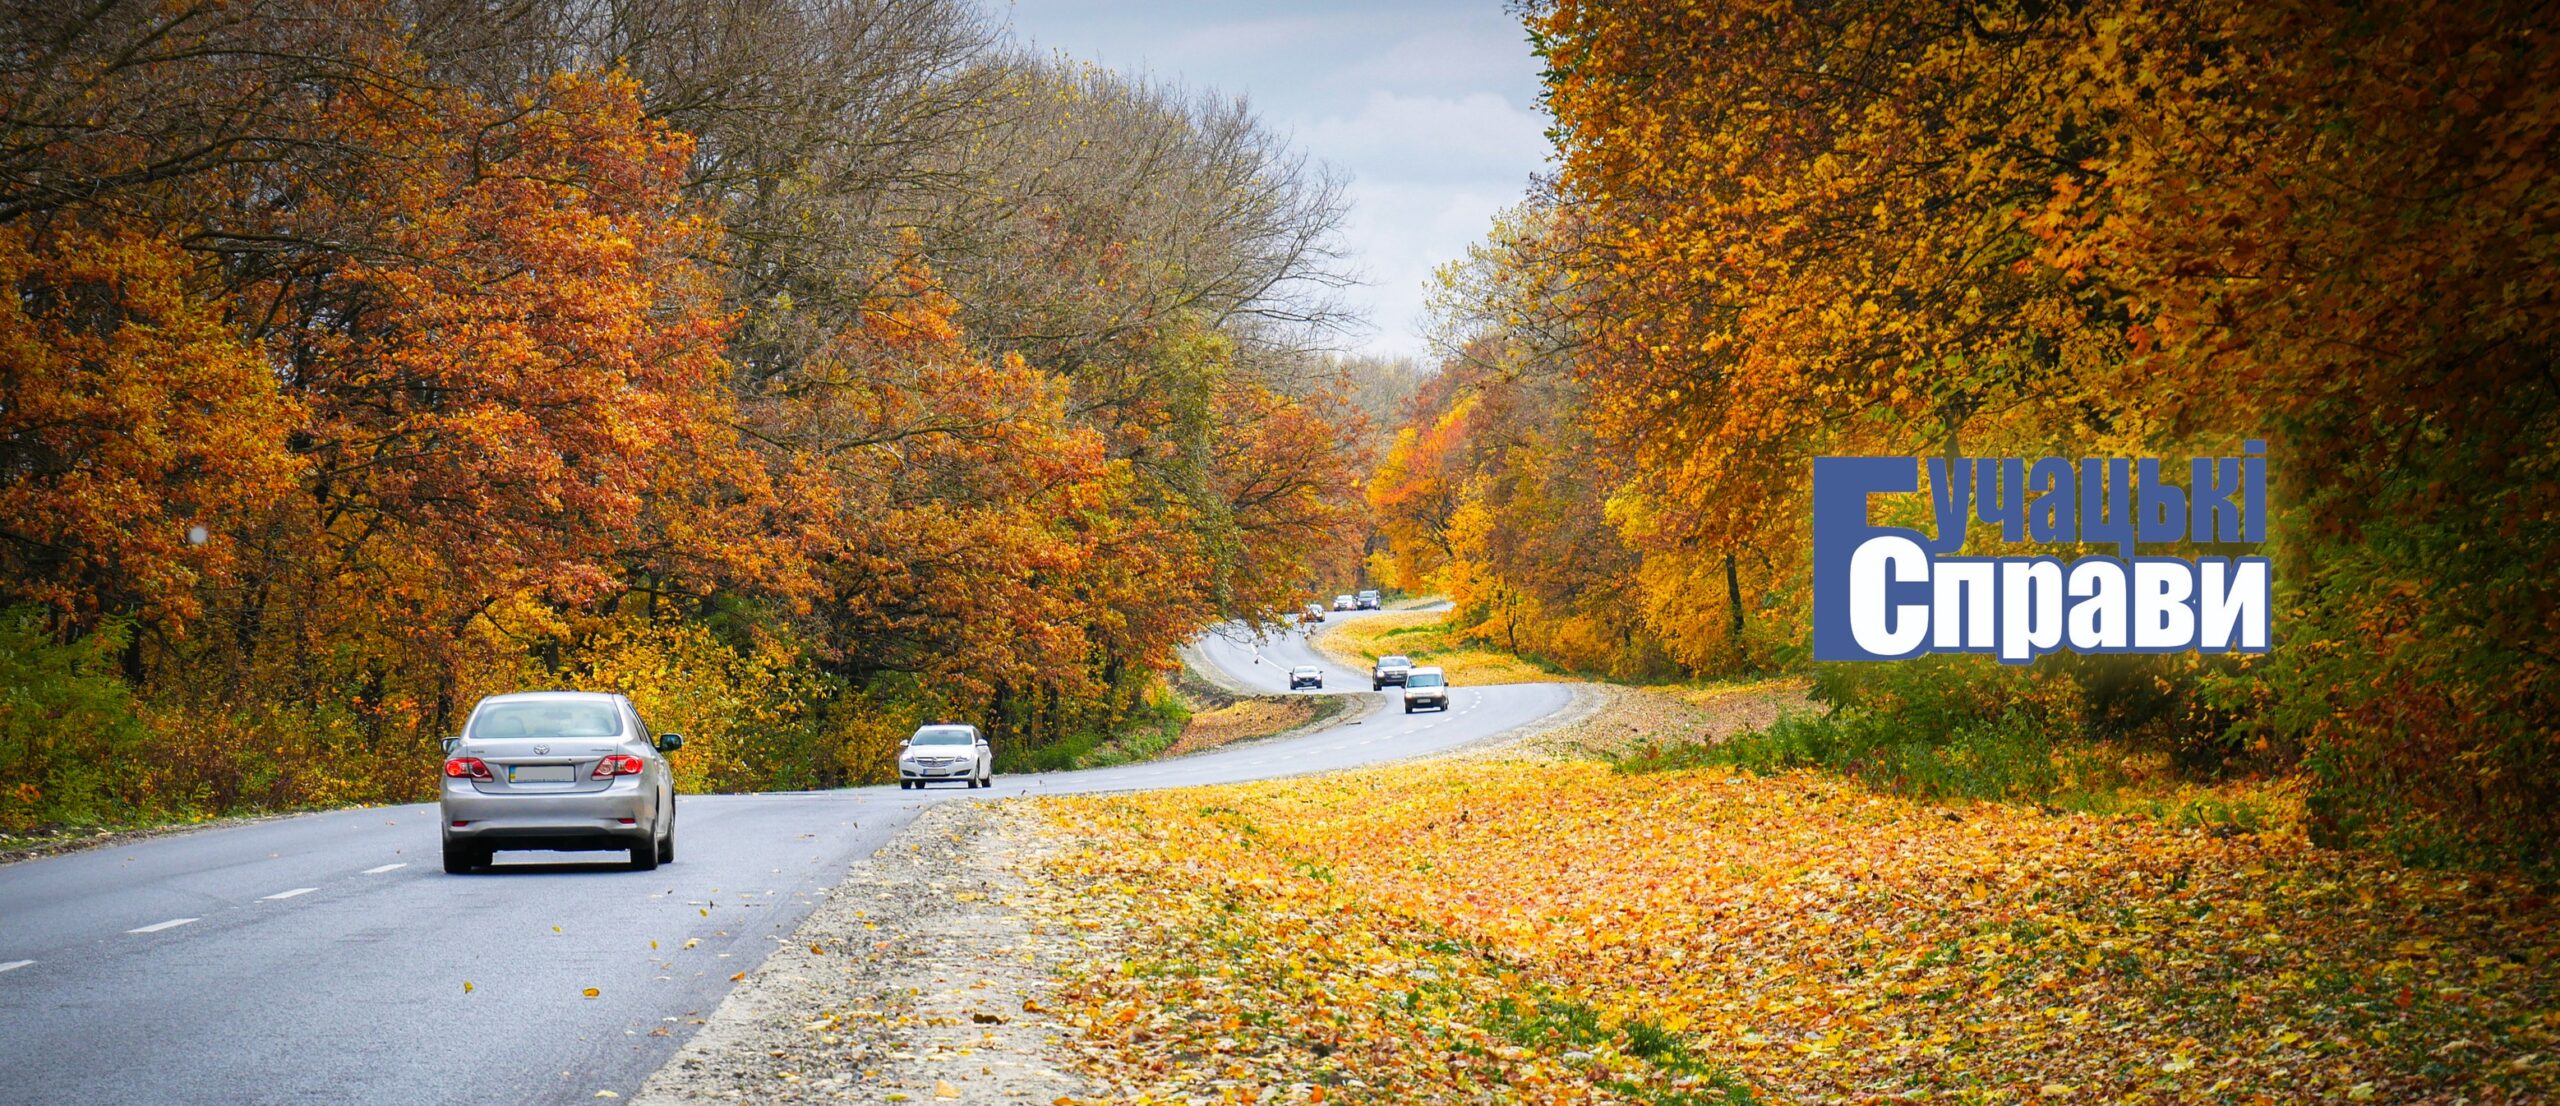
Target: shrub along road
[[328, 958]]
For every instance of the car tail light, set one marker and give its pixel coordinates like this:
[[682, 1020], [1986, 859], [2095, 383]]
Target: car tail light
[[468, 768], [613, 766]]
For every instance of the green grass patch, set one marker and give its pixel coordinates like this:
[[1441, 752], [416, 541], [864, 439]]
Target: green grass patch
[[1680, 1077], [2009, 757]]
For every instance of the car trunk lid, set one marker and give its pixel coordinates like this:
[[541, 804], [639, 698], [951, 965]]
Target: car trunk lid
[[533, 765]]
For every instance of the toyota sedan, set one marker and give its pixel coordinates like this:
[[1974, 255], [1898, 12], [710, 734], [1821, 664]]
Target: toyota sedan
[[558, 770]]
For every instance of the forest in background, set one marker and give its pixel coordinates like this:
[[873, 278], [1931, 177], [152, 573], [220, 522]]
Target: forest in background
[[804, 370], [1780, 230]]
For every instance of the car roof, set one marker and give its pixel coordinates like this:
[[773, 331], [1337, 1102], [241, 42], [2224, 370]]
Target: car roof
[[1430, 669], [1304, 668], [522, 696]]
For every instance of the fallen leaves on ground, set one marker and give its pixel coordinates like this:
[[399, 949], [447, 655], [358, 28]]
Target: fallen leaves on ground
[[1576, 935], [1260, 716]]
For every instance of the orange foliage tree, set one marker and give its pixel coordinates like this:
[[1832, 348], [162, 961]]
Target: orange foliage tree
[[1781, 230], [360, 363]]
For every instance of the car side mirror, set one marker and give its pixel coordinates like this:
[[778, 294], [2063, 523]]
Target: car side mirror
[[450, 744], [670, 742]]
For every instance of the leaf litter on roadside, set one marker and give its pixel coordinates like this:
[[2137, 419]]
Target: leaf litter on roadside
[[1577, 935]]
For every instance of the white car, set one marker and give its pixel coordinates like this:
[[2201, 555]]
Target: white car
[[947, 753], [1425, 687]]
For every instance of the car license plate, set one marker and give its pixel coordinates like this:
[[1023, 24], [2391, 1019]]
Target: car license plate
[[541, 773]]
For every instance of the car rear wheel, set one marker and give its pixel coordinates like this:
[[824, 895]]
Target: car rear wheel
[[644, 856], [462, 859], [667, 847]]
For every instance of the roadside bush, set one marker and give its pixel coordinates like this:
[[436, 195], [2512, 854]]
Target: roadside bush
[[2105, 735], [1150, 728], [202, 759], [751, 716], [2009, 757], [68, 731]]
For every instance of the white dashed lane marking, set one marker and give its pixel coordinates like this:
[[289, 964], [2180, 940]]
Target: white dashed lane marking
[[289, 894], [156, 927], [384, 868], [14, 965]]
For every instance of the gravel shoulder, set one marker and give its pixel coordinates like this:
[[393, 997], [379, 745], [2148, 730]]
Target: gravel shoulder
[[920, 979]]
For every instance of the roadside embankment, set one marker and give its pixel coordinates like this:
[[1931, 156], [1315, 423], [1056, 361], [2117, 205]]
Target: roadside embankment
[[1570, 932]]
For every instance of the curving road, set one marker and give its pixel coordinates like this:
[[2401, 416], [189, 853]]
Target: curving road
[[327, 958]]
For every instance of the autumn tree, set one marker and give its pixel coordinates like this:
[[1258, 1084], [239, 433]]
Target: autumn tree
[[1783, 230], [131, 415], [366, 358]]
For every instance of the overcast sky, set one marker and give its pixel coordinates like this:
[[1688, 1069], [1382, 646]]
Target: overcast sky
[[1428, 107]]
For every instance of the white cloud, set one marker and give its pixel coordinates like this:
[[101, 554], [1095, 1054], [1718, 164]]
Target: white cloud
[[1477, 138], [1405, 230], [1427, 106]]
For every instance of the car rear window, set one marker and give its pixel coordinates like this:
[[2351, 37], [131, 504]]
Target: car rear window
[[1424, 680], [547, 719]]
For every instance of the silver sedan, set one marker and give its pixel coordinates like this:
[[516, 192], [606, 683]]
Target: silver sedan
[[558, 770]]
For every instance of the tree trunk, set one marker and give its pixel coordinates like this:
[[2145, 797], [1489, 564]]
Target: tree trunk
[[1733, 599]]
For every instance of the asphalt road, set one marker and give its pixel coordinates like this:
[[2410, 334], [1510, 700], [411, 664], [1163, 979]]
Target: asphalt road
[[328, 958]]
